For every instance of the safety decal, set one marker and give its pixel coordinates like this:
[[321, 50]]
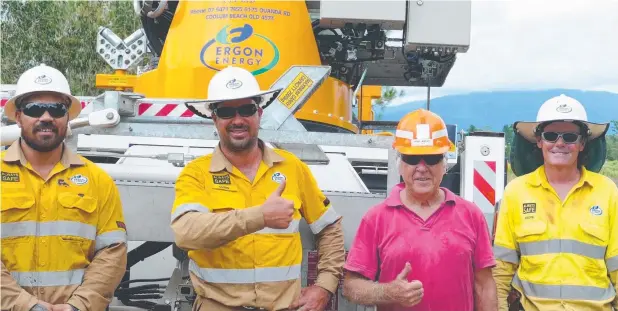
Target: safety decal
[[10, 177], [79, 179], [529, 208], [596, 211], [221, 179], [278, 177]]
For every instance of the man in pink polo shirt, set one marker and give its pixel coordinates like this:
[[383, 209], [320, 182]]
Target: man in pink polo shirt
[[427, 248]]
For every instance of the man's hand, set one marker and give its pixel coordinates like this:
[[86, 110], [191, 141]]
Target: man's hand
[[312, 298], [403, 292], [278, 212], [62, 307], [41, 306]]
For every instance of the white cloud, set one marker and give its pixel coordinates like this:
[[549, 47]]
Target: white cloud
[[536, 44]]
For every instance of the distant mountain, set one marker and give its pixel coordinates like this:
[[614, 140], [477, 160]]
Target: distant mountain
[[492, 110]]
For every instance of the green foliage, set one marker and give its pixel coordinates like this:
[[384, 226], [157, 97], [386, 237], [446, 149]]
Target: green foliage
[[610, 168], [61, 34], [388, 94]]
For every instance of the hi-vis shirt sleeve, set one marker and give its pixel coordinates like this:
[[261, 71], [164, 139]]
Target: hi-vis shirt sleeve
[[611, 255], [506, 250], [192, 222], [317, 209], [325, 223], [109, 264]]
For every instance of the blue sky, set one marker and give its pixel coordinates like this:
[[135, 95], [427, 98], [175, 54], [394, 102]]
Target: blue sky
[[541, 44]]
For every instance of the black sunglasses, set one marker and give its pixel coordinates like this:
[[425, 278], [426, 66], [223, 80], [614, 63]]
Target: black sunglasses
[[430, 159], [36, 110], [230, 112], [553, 137]]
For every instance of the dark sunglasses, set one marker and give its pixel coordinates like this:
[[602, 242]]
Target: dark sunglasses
[[430, 159], [553, 137], [230, 112], [36, 110]]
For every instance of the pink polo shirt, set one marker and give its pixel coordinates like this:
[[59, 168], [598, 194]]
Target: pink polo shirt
[[444, 251]]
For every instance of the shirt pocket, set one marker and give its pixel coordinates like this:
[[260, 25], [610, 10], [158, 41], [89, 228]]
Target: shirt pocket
[[17, 207], [225, 200], [532, 240], [77, 208]]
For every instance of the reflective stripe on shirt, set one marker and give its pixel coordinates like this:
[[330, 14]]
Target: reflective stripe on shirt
[[327, 218], [108, 238], [505, 254], [571, 292], [49, 228], [562, 246], [49, 278], [246, 276], [189, 207], [63, 228]]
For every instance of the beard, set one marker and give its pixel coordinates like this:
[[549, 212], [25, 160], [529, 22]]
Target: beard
[[45, 144], [238, 145]]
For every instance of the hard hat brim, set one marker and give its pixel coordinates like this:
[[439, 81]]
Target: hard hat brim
[[526, 129], [203, 108], [423, 150], [10, 107]]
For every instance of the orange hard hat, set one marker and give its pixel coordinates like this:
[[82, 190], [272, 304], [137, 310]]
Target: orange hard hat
[[421, 132]]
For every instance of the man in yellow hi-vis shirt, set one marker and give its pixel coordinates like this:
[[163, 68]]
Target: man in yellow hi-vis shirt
[[237, 211], [63, 233], [556, 238]]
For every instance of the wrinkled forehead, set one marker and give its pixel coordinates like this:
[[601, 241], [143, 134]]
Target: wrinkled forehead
[[562, 127], [44, 97]]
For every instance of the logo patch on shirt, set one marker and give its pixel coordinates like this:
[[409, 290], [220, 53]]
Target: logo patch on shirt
[[529, 208], [79, 179], [221, 179], [278, 177], [63, 183], [10, 177], [596, 211]]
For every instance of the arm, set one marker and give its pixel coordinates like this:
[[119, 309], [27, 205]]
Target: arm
[[485, 295], [611, 256], [360, 290], [325, 223], [506, 252], [485, 290], [109, 264], [13, 296], [362, 267], [195, 227]]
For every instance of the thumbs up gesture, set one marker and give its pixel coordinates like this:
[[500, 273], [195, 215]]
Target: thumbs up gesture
[[278, 212], [403, 292]]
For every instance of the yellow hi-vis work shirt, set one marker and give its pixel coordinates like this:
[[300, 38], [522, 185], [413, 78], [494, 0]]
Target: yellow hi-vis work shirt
[[234, 260], [63, 237], [558, 255]]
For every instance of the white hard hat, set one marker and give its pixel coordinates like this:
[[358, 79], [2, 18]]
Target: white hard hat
[[42, 78], [560, 108], [232, 83]]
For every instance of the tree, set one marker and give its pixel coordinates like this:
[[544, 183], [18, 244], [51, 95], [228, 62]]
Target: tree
[[61, 34], [508, 137], [388, 94]]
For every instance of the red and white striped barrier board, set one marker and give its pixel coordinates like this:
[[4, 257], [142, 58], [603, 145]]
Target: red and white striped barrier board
[[484, 180], [164, 110]]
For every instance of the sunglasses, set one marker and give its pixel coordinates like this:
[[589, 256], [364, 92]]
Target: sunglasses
[[430, 159], [230, 112], [36, 110], [553, 137]]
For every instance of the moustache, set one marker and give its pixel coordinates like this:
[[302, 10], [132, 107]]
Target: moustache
[[45, 126], [232, 127]]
